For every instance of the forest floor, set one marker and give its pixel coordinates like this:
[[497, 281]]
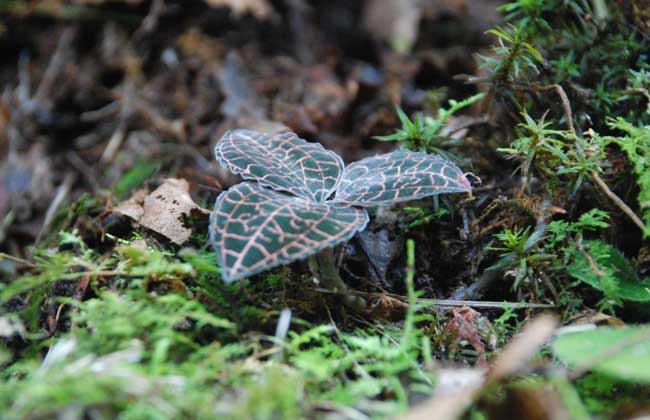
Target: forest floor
[[527, 298]]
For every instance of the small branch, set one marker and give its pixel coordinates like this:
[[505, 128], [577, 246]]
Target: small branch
[[446, 302], [6, 223], [61, 195], [565, 104], [18, 260], [126, 108], [620, 203], [594, 176], [55, 67], [82, 167], [150, 22]]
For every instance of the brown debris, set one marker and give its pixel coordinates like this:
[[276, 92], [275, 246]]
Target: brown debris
[[464, 326], [162, 210]]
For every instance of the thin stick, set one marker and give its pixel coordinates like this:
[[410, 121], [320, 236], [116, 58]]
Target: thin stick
[[55, 66], [61, 194], [620, 203], [81, 166], [565, 104], [126, 105], [594, 176], [487, 304], [18, 260], [446, 302]]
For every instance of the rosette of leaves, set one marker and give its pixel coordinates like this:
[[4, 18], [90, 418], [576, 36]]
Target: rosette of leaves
[[303, 200]]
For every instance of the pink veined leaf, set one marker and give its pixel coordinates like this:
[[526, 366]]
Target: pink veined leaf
[[282, 161], [399, 176], [253, 228]]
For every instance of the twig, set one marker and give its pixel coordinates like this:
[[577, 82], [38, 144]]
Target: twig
[[487, 304], [90, 174], [23, 91], [18, 260], [150, 22], [98, 114], [445, 302], [565, 104], [120, 132], [61, 194], [620, 203], [173, 128], [54, 67], [594, 176]]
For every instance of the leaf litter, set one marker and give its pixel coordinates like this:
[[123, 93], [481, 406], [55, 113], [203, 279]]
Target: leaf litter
[[163, 209]]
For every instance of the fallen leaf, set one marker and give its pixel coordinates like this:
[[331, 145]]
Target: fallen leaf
[[163, 209], [133, 206], [464, 326]]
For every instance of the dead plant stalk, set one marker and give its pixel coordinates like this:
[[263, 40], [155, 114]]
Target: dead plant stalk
[[566, 104]]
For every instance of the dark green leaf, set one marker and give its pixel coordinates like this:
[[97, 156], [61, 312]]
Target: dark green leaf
[[253, 228], [605, 267], [399, 176], [282, 161]]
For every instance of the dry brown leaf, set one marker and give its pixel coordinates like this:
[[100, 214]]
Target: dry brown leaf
[[261, 9], [464, 326], [133, 206], [162, 210]]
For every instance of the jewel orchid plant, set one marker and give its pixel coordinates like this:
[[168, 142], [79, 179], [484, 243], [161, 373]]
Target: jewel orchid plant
[[305, 201]]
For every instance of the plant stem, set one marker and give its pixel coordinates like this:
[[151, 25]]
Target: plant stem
[[8, 257], [323, 266]]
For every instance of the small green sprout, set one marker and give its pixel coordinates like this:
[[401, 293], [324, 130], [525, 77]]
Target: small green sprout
[[424, 133], [520, 254]]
